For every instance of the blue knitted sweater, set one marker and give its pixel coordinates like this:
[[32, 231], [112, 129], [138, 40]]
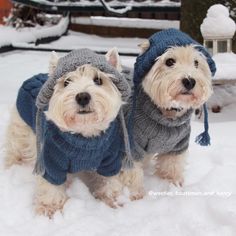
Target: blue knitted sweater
[[64, 152]]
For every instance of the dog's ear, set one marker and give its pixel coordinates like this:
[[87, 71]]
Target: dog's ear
[[113, 58], [53, 62], [144, 46]]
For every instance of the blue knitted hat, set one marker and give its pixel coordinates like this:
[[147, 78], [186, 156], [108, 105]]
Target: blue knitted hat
[[159, 43]]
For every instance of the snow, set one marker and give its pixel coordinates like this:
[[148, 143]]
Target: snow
[[28, 35], [126, 22], [216, 10], [206, 205], [218, 24], [75, 40], [226, 66]]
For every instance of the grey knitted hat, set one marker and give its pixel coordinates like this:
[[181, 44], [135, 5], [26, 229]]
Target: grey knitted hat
[[67, 64], [75, 59]]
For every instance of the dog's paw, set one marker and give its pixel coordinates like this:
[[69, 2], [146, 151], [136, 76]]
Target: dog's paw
[[110, 192], [178, 181], [171, 168], [109, 197], [47, 205], [137, 194], [110, 200], [174, 177], [48, 209]]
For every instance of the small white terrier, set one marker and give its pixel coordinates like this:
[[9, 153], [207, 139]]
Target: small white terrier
[[175, 90], [85, 101], [169, 83]]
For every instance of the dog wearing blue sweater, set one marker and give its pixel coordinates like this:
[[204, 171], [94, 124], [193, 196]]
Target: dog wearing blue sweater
[[72, 121]]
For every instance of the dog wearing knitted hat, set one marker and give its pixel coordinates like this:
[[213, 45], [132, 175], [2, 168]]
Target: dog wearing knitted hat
[[172, 77], [72, 121]]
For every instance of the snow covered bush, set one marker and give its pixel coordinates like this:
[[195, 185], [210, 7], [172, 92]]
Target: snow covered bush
[[23, 16]]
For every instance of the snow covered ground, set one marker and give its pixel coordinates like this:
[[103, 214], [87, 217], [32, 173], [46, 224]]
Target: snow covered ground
[[206, 205]]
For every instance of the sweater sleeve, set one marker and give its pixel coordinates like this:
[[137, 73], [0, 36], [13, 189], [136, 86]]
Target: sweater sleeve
[[55, 161], [110, 166], [55, 174]]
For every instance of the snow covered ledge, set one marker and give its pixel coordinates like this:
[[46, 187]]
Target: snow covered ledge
[[224, 82], [226, 68], [126, 22], [10, 35]]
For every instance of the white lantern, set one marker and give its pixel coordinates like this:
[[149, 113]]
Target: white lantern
[[218, 30]]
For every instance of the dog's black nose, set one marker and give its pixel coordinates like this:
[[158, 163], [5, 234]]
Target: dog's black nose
[[83, 99], [189, 83]]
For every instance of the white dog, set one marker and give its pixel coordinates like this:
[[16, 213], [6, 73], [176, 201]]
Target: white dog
[[85, 103], [172, 77]]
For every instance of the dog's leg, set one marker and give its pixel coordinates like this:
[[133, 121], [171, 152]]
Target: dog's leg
[[107, 189], [20, 141], [133, 179], [48, 197], [171, 167]]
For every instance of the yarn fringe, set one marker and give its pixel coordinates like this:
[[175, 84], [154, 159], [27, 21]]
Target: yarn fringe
[[204, 138], [127, 163], [128, 160], [39, 168]]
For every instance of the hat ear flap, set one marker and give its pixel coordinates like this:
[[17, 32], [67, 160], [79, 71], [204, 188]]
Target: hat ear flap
[[144, 46], [113, 58], [53, 63]]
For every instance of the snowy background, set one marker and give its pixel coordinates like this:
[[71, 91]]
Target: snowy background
[[206, 205]]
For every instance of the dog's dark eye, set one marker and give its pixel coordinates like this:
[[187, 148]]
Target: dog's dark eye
[[170, 62], [196, 63], [66, 82], [97, 81]]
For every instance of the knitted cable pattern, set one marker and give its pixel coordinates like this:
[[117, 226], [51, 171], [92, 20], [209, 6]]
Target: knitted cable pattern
[[64, 152]]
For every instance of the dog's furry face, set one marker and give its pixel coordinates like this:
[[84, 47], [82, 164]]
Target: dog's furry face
[[180, 78], [84, 101]]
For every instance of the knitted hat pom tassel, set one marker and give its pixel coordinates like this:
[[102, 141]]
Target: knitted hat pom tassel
[[39, 168], [204, 138], [41, 102], [128, 160]]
